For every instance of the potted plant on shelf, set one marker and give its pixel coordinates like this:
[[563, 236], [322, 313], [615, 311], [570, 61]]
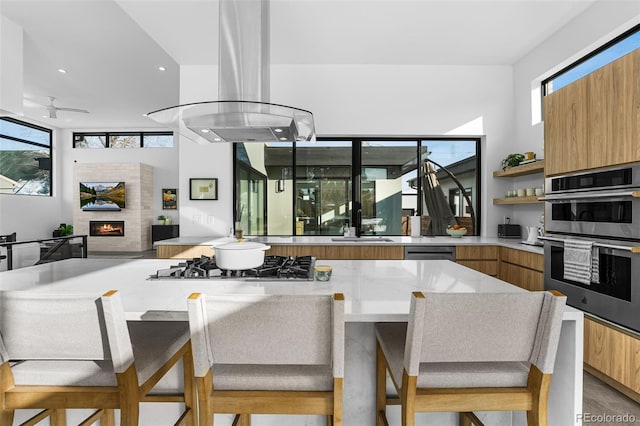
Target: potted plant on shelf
[[512, 160], [161, 220]]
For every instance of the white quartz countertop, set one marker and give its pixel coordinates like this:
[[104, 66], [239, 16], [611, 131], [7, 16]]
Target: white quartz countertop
[[375, 290], [331, 241]]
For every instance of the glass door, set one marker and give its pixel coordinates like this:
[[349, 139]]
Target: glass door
[[387, 170]]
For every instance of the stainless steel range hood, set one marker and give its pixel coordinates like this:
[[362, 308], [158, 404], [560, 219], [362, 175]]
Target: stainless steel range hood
[[243, 113]]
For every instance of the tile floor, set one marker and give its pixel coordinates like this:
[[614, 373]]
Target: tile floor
[[604, 406]]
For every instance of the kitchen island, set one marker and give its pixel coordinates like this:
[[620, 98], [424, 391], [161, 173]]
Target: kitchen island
[[376, 290]]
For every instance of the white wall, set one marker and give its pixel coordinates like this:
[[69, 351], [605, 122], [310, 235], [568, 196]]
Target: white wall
[[359, 99], [597, 25], [11, 68]]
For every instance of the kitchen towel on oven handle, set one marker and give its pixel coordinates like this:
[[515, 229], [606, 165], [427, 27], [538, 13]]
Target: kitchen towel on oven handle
[[578, 261]]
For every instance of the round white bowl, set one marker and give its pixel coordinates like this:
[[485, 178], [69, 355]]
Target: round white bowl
[[456, 233]]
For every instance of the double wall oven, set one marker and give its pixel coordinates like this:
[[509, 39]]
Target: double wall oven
[[596, 213]]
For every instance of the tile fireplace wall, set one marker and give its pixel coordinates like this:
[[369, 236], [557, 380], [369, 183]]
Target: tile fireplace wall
[[137, 215]]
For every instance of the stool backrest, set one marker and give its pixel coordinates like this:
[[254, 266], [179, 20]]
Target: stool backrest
[[258, 329], [484, 327], [37, 325]]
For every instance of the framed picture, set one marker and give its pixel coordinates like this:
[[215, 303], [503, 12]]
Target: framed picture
[[169, 199], [203, 189]]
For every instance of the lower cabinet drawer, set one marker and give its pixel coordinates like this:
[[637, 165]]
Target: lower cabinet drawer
[[522, 277], [489, 267]]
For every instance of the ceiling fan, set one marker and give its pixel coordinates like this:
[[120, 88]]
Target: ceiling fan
[[53, 109]]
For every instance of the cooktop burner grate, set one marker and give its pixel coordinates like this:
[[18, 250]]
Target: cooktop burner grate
[[274, 267]]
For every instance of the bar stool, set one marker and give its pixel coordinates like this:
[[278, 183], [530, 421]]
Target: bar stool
[[466, 352], [275, 354], [78, 351]]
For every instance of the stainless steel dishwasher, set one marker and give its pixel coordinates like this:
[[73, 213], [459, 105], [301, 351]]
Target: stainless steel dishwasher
[[430, 253]]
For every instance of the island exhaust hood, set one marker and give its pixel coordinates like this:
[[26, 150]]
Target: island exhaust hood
[[243, 113]]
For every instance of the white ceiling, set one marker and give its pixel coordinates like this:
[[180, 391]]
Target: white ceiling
[[112, 48]]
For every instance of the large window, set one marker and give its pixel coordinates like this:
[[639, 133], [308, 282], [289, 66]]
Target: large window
[[25, 158], [370, 183], [617, 48], [125, 140]]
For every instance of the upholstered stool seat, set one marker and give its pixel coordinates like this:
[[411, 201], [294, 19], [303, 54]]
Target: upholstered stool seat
[[449, 375], [273, 377]]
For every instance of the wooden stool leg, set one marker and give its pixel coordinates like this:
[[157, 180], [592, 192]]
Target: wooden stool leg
[[58, 417], [129, 403], [189, 386], [107, 418], [381, 387], [245, 419], [407, 397], [205, 406], [6, 383], [539, 384], [6, 417]]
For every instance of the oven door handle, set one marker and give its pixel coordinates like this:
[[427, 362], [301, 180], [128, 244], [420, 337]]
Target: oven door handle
[[632, 249], [582, 196], [575, 196]]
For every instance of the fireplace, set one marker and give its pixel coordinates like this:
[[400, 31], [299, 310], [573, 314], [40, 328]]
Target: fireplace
[[102, 228]]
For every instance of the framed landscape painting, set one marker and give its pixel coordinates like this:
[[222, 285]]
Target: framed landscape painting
[[169, 199]]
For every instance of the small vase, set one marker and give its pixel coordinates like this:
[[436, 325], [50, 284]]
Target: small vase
[[161, 222]]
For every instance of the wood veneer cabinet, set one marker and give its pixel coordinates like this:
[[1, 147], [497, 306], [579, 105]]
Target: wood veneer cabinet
[[565, 129], [594, 121], [480, 258], [613, 112], [613, 355], [522, 268], [291, 250], [182, 251], [354, 252]]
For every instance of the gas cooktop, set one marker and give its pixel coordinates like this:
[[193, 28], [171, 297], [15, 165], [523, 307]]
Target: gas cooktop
[[274, 268]]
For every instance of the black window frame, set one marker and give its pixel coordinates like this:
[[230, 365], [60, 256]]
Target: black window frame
[[50, 147], [624, 35], [356, 165], [108, 135]]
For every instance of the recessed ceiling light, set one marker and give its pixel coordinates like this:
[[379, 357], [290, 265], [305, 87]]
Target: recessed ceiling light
[[277, 130], [217, 139], [45, 116], [144, 115], [283, 139], [62, 71], [161, 68], [205, 130]]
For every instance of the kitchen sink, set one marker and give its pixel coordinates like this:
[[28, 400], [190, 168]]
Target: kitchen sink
[[362, 239]]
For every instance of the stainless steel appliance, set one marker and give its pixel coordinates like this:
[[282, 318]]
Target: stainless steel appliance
[[615, 295], [604, 203], [601, 207], [299, 268], [430, 253]]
